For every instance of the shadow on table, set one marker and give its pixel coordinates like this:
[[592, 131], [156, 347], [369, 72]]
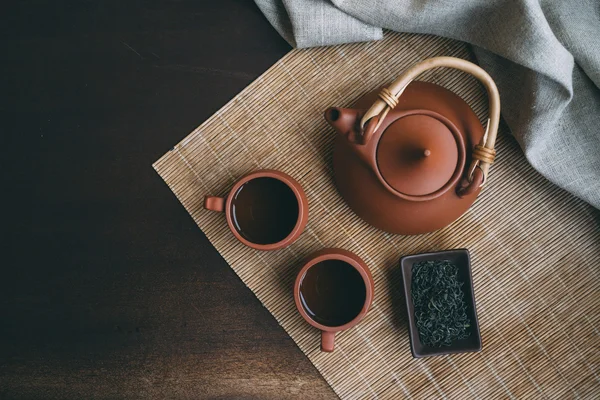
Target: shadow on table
[[395, 287]]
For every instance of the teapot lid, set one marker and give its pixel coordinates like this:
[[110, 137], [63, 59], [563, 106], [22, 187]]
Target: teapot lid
[[417, 154]]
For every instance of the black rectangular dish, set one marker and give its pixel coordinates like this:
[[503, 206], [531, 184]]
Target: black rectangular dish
[[462, 260]]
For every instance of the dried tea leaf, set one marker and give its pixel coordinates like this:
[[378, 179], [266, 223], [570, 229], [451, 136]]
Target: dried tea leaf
[[439, 306]]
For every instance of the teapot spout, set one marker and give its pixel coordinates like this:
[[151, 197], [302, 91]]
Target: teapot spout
[[345, 121]]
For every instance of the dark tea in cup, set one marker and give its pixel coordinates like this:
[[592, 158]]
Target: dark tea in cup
[[265, 210], [333, 292]]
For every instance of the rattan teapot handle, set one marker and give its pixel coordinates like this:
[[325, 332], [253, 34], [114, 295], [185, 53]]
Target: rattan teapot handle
[[483, 154]]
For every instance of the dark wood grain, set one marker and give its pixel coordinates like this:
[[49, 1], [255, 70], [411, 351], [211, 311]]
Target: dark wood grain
[[108, 288]]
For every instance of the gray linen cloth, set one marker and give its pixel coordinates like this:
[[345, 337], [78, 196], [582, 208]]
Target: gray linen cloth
[[543, 54]]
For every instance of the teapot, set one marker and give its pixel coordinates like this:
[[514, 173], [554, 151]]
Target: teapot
[[416, 159]]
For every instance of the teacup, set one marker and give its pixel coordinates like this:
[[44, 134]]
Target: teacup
[[333, 292], [265, 210]]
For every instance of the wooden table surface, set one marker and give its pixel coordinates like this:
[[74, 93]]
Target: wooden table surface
[[108, 288]]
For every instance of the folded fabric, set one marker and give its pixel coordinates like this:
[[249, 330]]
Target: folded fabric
[[543, 54]]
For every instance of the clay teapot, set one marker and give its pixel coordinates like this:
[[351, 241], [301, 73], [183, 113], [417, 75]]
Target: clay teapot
[[415, 160]]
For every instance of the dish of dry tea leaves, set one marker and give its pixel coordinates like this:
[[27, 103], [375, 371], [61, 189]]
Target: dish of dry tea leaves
[[439, 307]]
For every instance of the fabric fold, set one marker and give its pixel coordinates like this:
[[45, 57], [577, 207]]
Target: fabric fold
[[312, 23]]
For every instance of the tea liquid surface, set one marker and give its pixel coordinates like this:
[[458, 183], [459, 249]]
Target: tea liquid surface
[[264, 210], [333, 292]]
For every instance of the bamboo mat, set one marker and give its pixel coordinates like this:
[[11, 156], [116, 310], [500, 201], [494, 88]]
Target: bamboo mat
[[535, 248]]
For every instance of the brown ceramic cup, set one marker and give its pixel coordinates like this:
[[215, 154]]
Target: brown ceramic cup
[[265, 210], [333, 292]]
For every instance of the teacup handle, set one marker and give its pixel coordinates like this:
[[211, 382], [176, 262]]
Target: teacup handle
[[214, 203], [327, 341]]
